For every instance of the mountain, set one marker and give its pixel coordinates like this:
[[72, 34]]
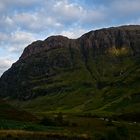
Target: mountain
[[98, 72]]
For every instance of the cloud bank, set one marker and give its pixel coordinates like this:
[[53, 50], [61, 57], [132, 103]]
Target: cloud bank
[[25, 21]]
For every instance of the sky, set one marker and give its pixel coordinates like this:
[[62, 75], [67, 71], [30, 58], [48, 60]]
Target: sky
[[24, 21]]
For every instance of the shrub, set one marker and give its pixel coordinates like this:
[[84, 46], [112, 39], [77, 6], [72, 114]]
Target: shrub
[[123, 131], [47, 121], [59, 118]]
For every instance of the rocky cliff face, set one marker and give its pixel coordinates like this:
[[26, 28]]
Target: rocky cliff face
[[42, 62], [50, 43], [125, 36]]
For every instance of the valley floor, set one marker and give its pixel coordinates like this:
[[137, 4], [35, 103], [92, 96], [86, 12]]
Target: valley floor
[[74, 128]]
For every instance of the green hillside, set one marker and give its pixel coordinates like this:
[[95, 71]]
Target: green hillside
[[106, 85]]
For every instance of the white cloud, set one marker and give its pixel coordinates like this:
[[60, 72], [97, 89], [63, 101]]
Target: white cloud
[[72, 13], [5, 63], [54, 15], [37, 21], [73, 33], [68, 11], [3, 37], [22, 37], [16, 41], [133, 22], [19, 40], [4, 4], [1, 6], [126, 7], [6, 24], [93, 16]]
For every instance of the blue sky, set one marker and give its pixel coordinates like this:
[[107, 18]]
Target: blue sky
[[24, 21]]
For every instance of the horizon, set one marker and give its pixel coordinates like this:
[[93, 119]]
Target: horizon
[[28, 21]]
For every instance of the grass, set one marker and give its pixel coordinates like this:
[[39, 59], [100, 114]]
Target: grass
[[22, 135], [28, 126], [79, 127]]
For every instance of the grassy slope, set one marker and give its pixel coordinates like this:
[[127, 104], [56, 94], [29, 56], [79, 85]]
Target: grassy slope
[[9, 112], [104, 85]]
